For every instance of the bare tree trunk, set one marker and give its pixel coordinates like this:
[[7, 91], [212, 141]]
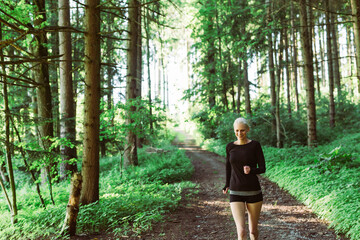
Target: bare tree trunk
[[335, 50], [247, 89], [330, 65], [53, 69], [147, 32], [44, 99], [271, 68], [288, 90], [355, 6], [316, 66], [294, 58], [239, 85], [211, 59], [222, 68], [67, 113], [349, 60], [110, 69], [108, 82], [278, 84], [309, 75], [12, 205], [131, 157], [90, 166], [72, 209]]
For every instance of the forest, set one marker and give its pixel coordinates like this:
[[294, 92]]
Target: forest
[[93, 92]]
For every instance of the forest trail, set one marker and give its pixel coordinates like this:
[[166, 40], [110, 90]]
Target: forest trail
[[207, 215]]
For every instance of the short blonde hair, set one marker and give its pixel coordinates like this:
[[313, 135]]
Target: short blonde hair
[[241, 121]]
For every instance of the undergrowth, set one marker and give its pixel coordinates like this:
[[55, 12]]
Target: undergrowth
[[131, 200], [326, 178]]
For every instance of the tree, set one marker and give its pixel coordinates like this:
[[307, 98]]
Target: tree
[[90, 165], [309, 74], [13, 204], [132, 78], [294, 58], [330, 39], [271, 64], [355, 6], [43, 93], [67, 113]]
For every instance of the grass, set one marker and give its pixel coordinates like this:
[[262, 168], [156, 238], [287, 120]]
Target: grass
[[326, 178], [130, 201]]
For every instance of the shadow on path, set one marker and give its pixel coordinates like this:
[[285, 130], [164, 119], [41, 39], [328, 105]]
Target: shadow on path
[[208, 216]]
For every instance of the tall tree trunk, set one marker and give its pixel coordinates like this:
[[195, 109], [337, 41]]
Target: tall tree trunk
[[330, 65], [294, 58], [322, 53], [43, 92], [90, 166], [309, 75], [147, 32], [78, 53], [288, 90], [131, 157], [247, 89], [110, 73], [211, 58], [141, 140], [316, 66], [355, 6], [110, 70], [238, 100], [271, 67], [13, 205], [335, 51], [67, 113], [349, 46], [53, 69], [222, 68], [278, 84], [139, 53]]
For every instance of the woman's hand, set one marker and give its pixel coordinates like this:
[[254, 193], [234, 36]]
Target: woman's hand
[[225, 190], [246, 169]]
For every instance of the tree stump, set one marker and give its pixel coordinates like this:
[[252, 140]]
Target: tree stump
[[72, 208]]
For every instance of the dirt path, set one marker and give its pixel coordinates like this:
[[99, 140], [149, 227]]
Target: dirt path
[[207, 216]]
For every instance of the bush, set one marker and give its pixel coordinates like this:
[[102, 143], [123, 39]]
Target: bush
[[130, 201], [326, 178]]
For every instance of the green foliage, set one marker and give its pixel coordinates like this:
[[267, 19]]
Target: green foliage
[[217, 124], [130, 201], [326, 178], [114, 127], [163, 168], [334, 161]]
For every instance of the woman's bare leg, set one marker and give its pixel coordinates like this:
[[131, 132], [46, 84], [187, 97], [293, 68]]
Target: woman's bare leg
[[254, 215], [238, 212]]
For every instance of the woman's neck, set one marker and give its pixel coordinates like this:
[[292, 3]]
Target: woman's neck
[[242, 141]]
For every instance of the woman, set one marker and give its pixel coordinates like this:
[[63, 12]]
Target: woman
[[244, 159]]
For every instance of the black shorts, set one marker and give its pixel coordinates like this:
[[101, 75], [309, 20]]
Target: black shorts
[[246, 199]]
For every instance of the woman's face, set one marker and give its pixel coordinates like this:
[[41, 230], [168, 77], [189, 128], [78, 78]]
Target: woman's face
[[241, 130]]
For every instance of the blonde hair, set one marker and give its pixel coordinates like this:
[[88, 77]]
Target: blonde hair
[[241, 121]]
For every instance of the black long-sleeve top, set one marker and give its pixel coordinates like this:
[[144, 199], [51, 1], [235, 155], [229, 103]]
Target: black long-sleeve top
[[238, 156]]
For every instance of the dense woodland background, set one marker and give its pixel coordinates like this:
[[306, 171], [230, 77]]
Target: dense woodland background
[[88, 80]]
